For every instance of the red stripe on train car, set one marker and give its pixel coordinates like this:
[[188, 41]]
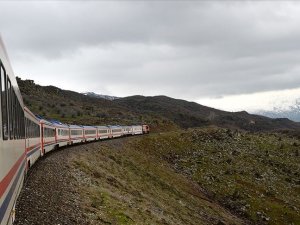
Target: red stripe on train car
[[8, 178], [32, 147]]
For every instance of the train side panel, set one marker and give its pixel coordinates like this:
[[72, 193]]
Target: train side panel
[[90, 133], [137, 129], [48, 136], [62, 133], [33, 137], [76, 134], [116, 131], [12, 140], [103, 132]]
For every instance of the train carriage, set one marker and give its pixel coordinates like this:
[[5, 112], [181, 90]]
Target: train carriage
[[90, 133], [33, 137], [12, 140], [103, 132], [76, 134], [137, 129], [127, 130], [62, 134], [48, 136], [116, 131]]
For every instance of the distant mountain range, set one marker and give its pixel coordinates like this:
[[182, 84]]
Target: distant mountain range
[[94, 95], [291, 112]]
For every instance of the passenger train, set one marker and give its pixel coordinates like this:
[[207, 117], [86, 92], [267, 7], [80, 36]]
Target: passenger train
[[24, 138]]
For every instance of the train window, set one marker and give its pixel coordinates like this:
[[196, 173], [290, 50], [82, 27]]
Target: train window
[[32, 129], [117, 130], [90, 132], [63, 132], [48, 132], [4, 104], [102, 131], [14, 119], [9, 104], [76, 132]]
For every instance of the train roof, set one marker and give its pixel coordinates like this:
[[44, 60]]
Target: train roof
[[89, 127], [115, 126], [61, 125], [47, 122], [102, 127], [75, 126]]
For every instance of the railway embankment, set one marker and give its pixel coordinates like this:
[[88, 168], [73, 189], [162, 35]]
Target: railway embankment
[[195, 176], [112, 183]]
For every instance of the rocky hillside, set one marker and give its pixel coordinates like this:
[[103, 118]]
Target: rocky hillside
[[256, 176], [161, 112]]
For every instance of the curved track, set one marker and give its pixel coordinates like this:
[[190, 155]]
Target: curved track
[[49, 195]]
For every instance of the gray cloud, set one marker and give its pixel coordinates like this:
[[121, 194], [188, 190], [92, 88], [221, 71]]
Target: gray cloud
[[181, 49]]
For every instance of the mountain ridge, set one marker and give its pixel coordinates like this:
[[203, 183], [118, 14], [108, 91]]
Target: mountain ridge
[[160, 112], [292, 112]]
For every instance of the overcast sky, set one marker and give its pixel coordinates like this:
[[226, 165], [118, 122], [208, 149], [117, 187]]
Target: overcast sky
[[228, 54]]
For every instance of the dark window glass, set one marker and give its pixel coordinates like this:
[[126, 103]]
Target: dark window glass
[[76, 132], [14, 114], [9, 108], [117, 130], [102, 131], [63, 132], [90, 132], [48, 132], [4, 104]]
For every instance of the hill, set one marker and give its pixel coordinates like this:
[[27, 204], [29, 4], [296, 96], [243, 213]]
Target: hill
[[76, 108], [190, 114], [198, 176], [160, 112]]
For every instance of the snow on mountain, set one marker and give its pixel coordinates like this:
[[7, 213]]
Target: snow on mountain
[[94, 95], [291, 112]]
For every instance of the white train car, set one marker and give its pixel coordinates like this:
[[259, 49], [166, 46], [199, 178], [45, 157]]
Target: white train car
[[33, 137], [62, 136], [48, 136], [103, 132], [127, 130], [12, 140], [137, 129], [116, 131], [76, 134], [90, 133]]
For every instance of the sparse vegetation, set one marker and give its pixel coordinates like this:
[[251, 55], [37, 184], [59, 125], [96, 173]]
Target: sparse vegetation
[[250, 174], [122, 185]]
